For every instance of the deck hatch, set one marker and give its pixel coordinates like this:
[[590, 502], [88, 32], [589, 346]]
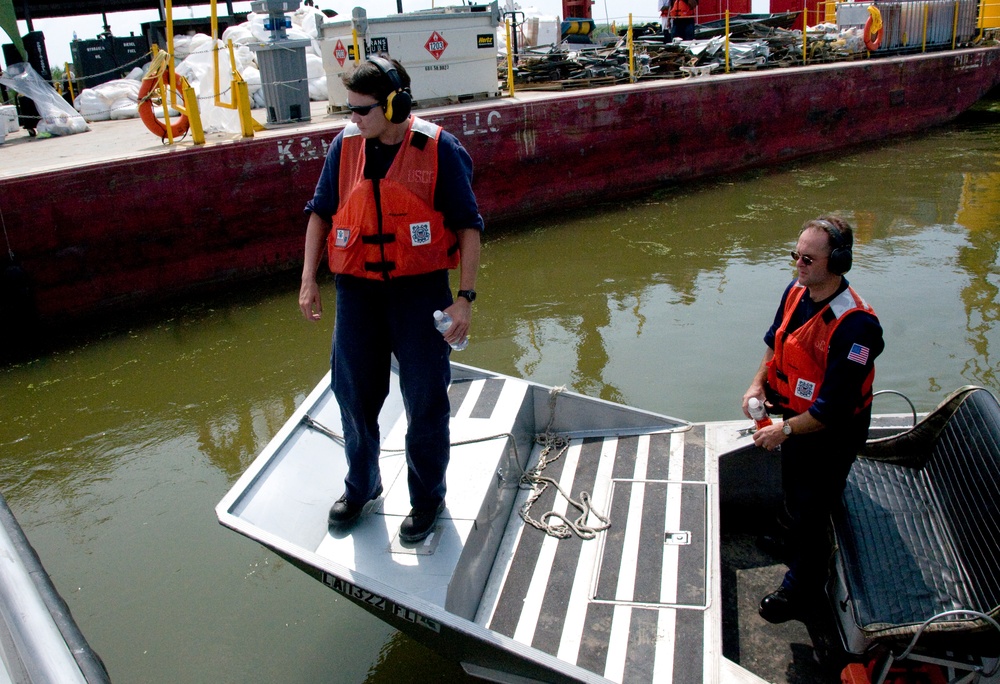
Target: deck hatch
[[655, 553]]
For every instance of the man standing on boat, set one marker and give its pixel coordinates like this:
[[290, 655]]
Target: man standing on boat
[[664, 8], [395, 211], [682, 18], [817, 372]]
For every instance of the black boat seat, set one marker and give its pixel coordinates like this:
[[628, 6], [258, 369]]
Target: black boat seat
[[919, 530]]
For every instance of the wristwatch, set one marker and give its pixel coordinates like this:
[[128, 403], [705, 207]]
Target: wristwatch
[[468, 294], [786, 428]]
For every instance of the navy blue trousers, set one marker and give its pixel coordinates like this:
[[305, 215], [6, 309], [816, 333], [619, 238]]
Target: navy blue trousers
[[814, 469], [376, 319]]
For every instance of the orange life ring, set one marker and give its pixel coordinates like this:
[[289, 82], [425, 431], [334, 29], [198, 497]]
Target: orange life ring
[[872, 40], [152, 121]]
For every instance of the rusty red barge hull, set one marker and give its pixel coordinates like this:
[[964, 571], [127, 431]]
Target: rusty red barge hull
[[105, 236]]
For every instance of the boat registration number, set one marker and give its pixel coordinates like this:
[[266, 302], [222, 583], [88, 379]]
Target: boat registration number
[[351, 591], [357, 593]]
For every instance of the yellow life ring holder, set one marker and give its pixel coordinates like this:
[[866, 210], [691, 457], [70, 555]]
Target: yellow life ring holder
[[152, 121], [874, 30]]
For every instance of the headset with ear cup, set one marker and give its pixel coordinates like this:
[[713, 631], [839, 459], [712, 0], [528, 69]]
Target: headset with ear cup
[[398, 103], [840, 259]]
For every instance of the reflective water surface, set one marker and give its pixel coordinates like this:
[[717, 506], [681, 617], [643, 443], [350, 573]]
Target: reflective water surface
[[115, 447]]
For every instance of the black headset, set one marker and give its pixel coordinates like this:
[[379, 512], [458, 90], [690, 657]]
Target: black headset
[[398, 103], [842, 255]]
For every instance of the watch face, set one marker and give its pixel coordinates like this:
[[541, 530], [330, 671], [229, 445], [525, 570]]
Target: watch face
[[468, 294]]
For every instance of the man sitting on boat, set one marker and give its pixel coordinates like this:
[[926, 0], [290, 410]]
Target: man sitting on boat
[[397, 192], [817, 372]]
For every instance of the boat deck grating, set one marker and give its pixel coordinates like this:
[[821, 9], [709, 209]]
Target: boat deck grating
[[631, 604]]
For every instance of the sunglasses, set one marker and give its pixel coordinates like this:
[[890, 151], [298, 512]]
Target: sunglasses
[[806, 259], [362, 110]]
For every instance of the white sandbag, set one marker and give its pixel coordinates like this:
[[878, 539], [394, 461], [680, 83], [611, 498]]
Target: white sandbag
[[251, 75], [255, 22], [294, 33], [316, 75], [110, 100], [200, 42], [240, 35], [314, 66], [91, 105], [124, 108], [182, 48], [121, 88], [317, 89], [245, 58], [309, 19]]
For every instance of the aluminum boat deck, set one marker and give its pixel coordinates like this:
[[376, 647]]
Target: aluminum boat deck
[[641, 601]]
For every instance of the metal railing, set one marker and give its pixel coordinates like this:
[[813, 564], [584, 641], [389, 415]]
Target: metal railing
[[916, 24]]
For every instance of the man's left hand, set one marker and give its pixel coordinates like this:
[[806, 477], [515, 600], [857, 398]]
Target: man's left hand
[[770, 437], [461, 320]]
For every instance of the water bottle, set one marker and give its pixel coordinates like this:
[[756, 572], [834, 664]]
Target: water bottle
[[758, 413], [442, 322]]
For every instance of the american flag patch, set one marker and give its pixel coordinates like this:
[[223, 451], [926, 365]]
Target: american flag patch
[[858, 354]]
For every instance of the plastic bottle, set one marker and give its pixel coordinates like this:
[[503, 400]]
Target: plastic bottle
[[442, 322], [758, 413]]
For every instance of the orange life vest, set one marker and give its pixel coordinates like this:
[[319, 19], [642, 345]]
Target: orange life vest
[[388, 227], [680, 9], [796, 372]]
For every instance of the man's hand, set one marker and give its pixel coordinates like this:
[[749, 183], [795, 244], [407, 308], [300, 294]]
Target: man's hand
[[770, 437], [310, 302], [461, 320]]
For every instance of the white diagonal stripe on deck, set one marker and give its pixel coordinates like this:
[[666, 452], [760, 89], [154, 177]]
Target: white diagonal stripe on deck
[[614, 668], [471, 397], [528, 619], [666, 639], [576, 614], [676, 468], [672, 521], [508, 404], [663, 667]]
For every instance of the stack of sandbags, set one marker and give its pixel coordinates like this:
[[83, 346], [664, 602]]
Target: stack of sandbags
[[118, 99]]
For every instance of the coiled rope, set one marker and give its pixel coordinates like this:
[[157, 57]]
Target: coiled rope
[[557, 445]]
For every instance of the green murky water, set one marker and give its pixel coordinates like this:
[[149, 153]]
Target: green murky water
[[115, 448]]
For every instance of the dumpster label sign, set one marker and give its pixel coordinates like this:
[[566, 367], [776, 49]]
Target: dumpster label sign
[[436, 45], [377, 46], [340, 52]]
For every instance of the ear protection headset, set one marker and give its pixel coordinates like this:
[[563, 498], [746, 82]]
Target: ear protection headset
[[842, 255], [398, 103]]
